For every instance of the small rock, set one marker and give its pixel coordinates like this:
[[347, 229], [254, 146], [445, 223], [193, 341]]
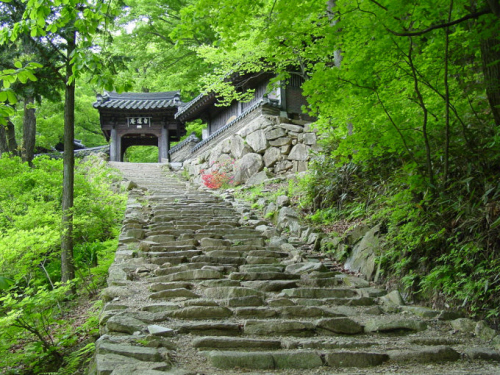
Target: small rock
[[463, 325], [157, 330], [483, 353], [393, 298], [484, 332]]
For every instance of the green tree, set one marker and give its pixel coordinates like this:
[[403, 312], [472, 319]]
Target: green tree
[[28, 48], [70, 27], [158, 58]]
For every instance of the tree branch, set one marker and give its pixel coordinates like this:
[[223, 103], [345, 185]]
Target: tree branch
[[442, 25], [378, 4]]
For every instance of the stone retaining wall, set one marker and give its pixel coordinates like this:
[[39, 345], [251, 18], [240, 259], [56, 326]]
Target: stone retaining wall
[[259, 147]]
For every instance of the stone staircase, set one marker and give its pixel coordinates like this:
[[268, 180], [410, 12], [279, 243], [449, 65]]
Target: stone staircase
[[195, 289]]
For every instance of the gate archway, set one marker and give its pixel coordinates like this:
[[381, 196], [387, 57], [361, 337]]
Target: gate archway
[[140, 119]]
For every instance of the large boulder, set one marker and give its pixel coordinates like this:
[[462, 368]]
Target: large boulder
[[299, 152], [362, 258], [271, 156], [246, 167], [238, 147], [257, 141]]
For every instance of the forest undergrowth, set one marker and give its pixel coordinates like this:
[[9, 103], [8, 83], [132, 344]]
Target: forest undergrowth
[[440, 243], [43, 328]]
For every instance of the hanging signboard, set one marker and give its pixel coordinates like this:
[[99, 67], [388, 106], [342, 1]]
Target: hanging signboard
[[138, 122]]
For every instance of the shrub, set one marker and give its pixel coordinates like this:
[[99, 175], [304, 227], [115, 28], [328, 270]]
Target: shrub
[[220, 175]]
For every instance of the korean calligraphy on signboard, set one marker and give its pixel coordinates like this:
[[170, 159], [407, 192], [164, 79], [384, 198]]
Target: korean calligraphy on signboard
[[139, 122]]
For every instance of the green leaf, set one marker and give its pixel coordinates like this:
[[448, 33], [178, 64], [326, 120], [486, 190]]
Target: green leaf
[[18, 64], [495, 224], [12, 97], [5, 283]]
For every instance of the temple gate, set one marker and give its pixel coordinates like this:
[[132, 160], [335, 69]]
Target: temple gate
[[140, 119]]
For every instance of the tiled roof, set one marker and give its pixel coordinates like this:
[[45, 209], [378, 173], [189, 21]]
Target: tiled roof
[[195, 106], [138, 101]]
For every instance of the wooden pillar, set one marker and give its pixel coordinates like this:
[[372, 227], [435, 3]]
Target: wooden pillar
[[163, 144], [114, 147]]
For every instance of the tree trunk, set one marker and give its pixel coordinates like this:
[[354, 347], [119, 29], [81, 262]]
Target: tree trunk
[[3, 140], [29, 130], [67, 264], [10, 133], [490, 55]]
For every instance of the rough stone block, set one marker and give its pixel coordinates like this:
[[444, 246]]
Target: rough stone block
[[425, 355], [386, 325], [257, 141], [297, 359], [250, 360], [289, 327], [299, 152], [355, 359], [338, 325]]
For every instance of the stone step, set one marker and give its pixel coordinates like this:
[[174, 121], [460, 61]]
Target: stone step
[[235, 343], [302, 328], [175, 252], [252, 276], [320, 293], [226, 296]]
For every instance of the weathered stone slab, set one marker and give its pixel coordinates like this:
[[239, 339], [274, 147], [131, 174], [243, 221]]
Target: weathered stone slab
[[250, 276], [250, 360], [158, 287], [355, 359], [138, 352], [259, 268], [218, 283], [270, 327], [306, 312], [214, 242], [319, 293], [423, 312], [199, 302], [425, 355], [160, 307], [280, 302], [232, 343], [244, 301], [139, 369], [159, 238], [174, 293], [211, 329], [202, 312], [112, 292], [386, 325], [231, 292], [356, 282], [297, 360], [106, 363], [125, 324], [255, 312], [271, 285], [338, 325], [194, 275]]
